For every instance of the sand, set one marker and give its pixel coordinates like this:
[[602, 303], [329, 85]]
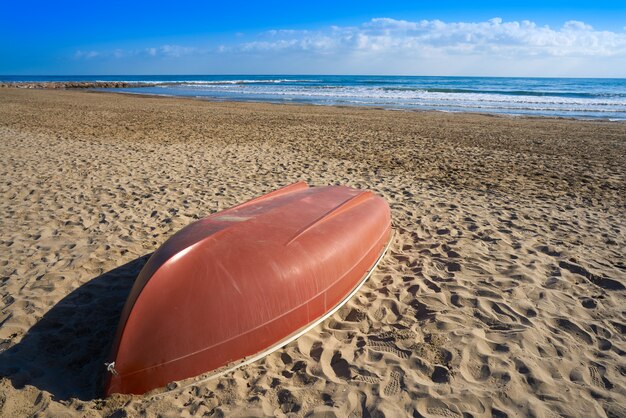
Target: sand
[[503, 292]]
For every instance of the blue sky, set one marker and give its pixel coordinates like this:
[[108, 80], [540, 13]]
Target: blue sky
[[531, 38]]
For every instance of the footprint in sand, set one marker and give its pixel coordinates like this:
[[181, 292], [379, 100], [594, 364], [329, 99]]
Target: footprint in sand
[[379, 314], [440, 375], [340, 366], [474, 366], [603, 282], [598, 379], [436, 408], [316, 351], [392, 388], [389, 347], [574, 330], [287, 401], [354, 315], [366, 377], [401, 334]]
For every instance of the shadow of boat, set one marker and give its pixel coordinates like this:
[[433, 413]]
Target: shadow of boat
[[64, 353]]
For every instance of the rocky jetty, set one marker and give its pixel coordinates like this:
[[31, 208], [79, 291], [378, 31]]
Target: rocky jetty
[[74, 85]]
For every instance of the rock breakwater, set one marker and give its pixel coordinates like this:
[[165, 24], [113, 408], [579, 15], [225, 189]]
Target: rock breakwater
[[74, 85]]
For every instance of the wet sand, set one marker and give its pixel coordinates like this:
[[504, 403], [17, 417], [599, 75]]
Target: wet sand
[[502, 294]]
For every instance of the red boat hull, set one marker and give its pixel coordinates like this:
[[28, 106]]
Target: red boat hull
[[241, 281]]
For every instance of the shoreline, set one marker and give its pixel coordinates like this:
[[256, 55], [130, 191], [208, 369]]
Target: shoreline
[[362, 107], [502, 291], [100, 86]]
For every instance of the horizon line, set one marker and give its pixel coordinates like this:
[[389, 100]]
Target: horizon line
[[302, 74]]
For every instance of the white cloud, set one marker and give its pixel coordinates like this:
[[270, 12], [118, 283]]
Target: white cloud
[[176, 50], [85, 54], [167, 51], [427, 37], [391, 46]]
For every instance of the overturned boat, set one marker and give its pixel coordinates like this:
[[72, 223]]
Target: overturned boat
[[236, 285]]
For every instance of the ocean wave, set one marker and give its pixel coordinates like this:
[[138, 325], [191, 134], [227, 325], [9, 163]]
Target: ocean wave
[[414, 94], [200, 83], [595, 98], [510, 92]]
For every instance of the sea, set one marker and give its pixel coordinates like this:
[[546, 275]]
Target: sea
[[581, 98]]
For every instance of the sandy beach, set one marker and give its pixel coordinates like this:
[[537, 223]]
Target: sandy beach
[[503, 293]]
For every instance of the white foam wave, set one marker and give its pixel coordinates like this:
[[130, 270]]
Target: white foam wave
[[278, 89], [200, 83], [422, 95]]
